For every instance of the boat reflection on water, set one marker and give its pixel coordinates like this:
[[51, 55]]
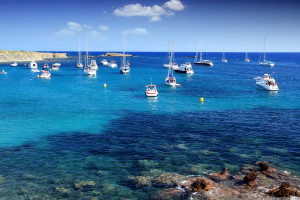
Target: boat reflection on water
[[273, 93]]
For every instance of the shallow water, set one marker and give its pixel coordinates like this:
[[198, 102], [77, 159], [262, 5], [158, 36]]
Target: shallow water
[[57, 132]]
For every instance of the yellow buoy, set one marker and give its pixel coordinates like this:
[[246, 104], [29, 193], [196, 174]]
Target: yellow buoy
[[38, 76], [105, 85], [202, 99]]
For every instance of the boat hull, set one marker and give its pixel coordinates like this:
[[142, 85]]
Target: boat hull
[[203, 63]]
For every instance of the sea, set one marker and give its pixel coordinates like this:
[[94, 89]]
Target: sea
[[71, 129]]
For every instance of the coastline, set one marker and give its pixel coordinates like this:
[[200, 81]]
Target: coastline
[[27, 56]]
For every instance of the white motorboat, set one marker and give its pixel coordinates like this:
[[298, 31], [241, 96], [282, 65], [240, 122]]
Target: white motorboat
[[93, 65], [45, 74], [14, 64], [265, 62], [55, 67], [170, 79], [266, 82], [87, 70], [32, 65], [3, 72], [104, 62], [151, 90], [79, 64], [185, 68], [125, 66], [58, 64], [224, 58], [112, 64]]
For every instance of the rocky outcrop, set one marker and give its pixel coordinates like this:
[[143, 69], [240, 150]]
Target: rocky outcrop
[[250, 179], [139, 181], [27, 56], [221, 176], [167, 180], [285, 190]]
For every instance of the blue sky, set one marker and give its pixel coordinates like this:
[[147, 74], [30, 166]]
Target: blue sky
[[231, 26]]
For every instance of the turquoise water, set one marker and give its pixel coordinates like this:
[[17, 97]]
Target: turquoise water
[[72, 128]]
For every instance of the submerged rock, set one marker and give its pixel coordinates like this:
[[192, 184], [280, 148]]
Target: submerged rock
[[62, 191], [28, 177], [85, 185], [148, 163], [139, 181], [250, 179], [285, 190], [221, 176], [167, 180], [170, 194]]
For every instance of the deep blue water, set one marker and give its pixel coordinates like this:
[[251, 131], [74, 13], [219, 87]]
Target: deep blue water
[[71, 128]]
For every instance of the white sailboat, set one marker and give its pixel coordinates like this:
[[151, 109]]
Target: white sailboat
[[265, 62], [79, 64], [224, 58], [246, 57], [171, 63], [124, 69], [170, 79], [88, 70]]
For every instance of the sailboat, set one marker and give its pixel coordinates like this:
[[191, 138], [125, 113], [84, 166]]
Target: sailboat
[[79, 64], [170, 79], [265, 62], [246, 57], [124, 69], [171, 63], [88, 70], [224, 58], [201, 61]]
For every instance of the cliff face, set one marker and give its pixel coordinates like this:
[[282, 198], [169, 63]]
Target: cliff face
[[27, 56]]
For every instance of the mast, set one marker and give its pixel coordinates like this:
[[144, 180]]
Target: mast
[[87, 51], [79, 61], [201, 50], [124, 59], [171, 59], [264, 49]]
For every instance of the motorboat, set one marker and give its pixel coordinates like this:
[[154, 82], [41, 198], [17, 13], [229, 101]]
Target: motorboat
[[112, 64], [93, 65], [79, 64], [266, 82], [89, 71], [32, 65], [3, 72], [185, 68], [104, 62], [45, 74], [14, 64], [125, 66], [224, 58], [151, 90], [55, 67], [170, 79], [265, 62]]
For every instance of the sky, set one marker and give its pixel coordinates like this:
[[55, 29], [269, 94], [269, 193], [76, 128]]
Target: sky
[[148, 25]]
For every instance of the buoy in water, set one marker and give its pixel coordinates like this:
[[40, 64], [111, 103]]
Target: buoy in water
[[202, 99], [38, 76], [105, 85]]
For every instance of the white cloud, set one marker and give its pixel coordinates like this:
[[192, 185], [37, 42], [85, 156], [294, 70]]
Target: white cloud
[[136, 31], [87, 26], [64, 33], [103, 28], [174, 5], [73, 26], [154, 12]]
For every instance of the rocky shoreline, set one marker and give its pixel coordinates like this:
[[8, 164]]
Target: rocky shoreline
[[27, 56], [259, 181]]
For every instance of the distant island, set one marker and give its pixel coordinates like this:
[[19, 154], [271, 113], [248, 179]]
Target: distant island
[[115, 55], [27, 56]]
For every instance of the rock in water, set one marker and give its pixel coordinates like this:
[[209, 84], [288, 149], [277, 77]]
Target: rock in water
[[139, 181], [85, 185], [201, 184], [167, 180], [250, 179], [285, 190], [222, 176], [264, 165], [170, 194]]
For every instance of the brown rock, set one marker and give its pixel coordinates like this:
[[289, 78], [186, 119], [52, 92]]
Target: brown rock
[[201, 184], [250, 179], [285, 190], [222, 176], [264, 165]]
